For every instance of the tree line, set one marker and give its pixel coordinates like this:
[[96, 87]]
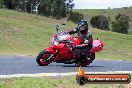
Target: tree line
[[52, 8]]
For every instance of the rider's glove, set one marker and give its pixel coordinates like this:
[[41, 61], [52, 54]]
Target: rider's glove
[[73, 47]]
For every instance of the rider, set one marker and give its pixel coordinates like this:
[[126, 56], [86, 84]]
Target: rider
[[84, 34]]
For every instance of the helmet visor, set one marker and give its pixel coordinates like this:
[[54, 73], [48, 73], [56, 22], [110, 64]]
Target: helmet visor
[[82, 28]]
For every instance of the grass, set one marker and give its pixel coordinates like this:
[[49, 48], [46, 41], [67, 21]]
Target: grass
[[48, 82], [27, 34], [117, 46], [130, 33], [22, 33]]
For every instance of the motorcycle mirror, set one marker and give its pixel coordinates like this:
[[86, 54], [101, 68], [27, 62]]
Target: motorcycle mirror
[[57, 28]]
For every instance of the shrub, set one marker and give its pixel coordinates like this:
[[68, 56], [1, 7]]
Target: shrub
[[121, 24], [75, 17], [100, 22]]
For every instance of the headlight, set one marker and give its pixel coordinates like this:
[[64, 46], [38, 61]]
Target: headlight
[[53, 41]]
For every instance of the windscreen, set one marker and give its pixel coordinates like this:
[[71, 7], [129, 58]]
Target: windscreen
[[63, 36]]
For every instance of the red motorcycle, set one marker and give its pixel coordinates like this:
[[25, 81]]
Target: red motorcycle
[[61, 50]]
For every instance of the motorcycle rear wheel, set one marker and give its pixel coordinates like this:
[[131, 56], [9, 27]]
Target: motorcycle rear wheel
[[86, 63], [44, 58]]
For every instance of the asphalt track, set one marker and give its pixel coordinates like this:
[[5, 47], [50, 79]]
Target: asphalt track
[[10, 65]]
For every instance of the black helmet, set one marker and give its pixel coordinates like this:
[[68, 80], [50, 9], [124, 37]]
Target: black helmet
[[83, 26]]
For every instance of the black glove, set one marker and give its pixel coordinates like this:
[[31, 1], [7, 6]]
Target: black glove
[[73, 47]]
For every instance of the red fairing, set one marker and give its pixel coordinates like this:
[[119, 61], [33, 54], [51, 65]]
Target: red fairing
[[78, 41], [64, 52], [97, 46], [51, 50]]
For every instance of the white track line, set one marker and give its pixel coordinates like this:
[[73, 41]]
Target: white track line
[[61, 74], [38, 75]]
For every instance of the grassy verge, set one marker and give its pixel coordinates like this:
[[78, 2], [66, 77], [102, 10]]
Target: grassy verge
[[27, 34], [48, 82]]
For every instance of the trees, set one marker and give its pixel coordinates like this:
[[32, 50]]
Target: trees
[[121, 24], [10, 4], [100, 22], [26, 5], [75, 17], [55, 8], [1, 3]]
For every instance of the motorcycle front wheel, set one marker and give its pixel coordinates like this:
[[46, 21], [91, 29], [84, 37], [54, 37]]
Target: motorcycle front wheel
[[44, 58]]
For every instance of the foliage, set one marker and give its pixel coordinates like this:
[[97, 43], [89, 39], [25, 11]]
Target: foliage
[[10, 4], [121, 24], [53, 8], [75, 17], [100, 22], [1, 3]]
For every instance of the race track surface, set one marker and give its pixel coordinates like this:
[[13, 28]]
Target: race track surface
[[27, 65]]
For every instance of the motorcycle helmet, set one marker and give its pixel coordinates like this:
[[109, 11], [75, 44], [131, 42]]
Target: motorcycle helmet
[[83, 26]]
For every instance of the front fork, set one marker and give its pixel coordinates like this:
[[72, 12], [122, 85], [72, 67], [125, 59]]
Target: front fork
[[51, 56], [52, 51]]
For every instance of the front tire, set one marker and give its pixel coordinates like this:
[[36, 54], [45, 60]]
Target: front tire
[[44, 58]]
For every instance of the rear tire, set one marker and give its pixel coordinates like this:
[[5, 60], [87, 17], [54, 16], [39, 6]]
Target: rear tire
[[42, 58], [86, 63], [92, 57]]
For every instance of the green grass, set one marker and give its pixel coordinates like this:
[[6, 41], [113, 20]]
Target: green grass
[[116, 45], [48, 82], [130, 33], [22, 33], [89, 13]]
